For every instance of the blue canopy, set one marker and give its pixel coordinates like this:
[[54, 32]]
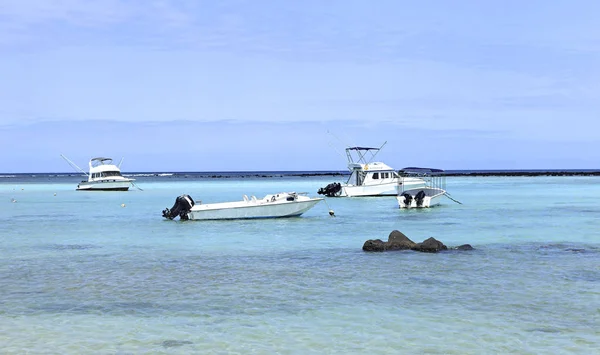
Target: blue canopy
[[421, 170]]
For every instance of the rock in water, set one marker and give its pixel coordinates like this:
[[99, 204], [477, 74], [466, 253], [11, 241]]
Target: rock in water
[[374, 245], [398, 241], [175, 343], [430, 245]]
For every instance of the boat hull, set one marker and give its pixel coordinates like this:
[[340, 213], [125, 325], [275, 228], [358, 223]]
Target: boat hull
[[383, 189], [431, 197], [104, 186], [250, 210], [388, 189]]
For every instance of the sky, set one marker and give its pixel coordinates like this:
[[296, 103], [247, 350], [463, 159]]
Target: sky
[[234, 85]]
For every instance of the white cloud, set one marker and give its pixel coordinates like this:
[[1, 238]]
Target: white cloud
[[422, 66], [140, 85]]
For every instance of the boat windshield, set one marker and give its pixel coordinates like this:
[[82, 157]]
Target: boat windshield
[[105, 174]]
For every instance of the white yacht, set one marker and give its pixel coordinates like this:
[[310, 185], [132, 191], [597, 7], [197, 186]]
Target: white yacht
[[284, 204], [368, 177], [103, 176]]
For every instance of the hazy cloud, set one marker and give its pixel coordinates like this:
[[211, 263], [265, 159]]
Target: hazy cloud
[[512, 70]]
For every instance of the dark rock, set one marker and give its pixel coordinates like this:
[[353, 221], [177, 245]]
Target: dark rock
[[374, 245], [430, 245], [71, 246], [398, 241], [464, 247], [398, 237]]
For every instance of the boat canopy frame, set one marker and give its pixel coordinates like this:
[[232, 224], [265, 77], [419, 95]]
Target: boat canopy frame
[[99, 161], [364, 155], [433, 178], [94, 162]]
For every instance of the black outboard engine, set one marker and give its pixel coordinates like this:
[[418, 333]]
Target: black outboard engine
[[419, 198], [407, 199], [183, 205], [330, 190]]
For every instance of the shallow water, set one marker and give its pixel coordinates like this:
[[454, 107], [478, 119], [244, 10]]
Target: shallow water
[[81, 274]]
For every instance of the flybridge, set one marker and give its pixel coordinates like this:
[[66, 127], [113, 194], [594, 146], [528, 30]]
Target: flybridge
[[101, 161]]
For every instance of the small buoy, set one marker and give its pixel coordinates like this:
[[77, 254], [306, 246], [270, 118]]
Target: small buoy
[[122, 205], [331, 213]]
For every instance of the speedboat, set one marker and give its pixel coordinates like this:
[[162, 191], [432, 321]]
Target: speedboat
[[427, 195], [103, 176], [284, 204], [368, 177]]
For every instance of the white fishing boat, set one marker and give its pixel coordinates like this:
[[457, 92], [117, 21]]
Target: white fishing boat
[[103, 175], [368, 177], [285, 204], [427, 195]]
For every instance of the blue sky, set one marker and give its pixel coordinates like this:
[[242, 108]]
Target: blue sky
[[256, 85]]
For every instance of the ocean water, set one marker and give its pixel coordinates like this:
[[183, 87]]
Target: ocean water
[[79, 273]]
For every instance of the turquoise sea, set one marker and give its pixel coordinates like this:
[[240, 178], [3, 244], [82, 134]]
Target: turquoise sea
[[81, 274]]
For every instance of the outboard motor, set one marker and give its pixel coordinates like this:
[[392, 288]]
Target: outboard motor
[[330, 190], [419, 197], [183, 205], [407, 199], [292, 196]]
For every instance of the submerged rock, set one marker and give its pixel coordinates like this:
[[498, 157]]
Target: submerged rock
[[398, 241], [374, 245], [175, 343], [430, 245], [464, 247]]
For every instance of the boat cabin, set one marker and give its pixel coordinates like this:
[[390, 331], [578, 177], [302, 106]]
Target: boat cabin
[[103, 168], [371, 174]]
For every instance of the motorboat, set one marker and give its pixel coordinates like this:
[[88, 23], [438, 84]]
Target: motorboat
[[284, 204], [427, 195], [368, 177], [103, 175]]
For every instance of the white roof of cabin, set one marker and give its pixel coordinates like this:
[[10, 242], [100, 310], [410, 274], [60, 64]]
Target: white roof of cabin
[[377, 166]]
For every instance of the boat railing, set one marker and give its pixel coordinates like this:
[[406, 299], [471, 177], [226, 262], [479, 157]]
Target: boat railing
[[433, 178]]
